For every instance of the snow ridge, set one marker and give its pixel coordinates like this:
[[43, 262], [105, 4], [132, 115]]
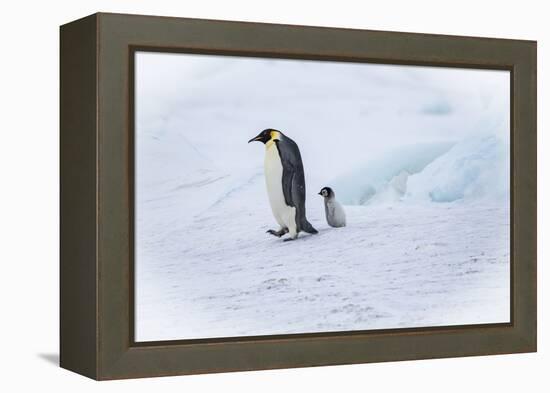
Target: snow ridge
[[476, 168]]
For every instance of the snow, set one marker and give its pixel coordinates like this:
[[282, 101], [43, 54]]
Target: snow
[[478, 168], [427, 236], [392, 266], [206, 267], [385, 178]]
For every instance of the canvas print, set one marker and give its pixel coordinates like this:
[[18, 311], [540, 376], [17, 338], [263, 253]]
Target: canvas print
[[284, 196]]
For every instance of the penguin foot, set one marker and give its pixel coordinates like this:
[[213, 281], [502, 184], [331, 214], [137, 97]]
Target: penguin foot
[[289, 239], [278, 233]]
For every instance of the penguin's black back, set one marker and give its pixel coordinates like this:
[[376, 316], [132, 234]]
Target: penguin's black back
[[294, 185]]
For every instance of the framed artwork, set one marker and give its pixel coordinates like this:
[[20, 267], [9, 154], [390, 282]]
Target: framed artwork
[[240, 196]]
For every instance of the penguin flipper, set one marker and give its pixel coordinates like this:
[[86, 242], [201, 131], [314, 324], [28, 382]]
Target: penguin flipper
[[297, 193], [293, 181], [293, 173]]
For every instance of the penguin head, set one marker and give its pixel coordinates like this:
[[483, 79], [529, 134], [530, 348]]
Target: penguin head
[[326, 192], [267, 135]]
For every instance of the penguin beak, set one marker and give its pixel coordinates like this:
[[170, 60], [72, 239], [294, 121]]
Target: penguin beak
[[256, 138], [319, 193]]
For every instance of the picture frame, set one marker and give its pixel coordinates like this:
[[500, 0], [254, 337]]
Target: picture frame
[[97, 204]]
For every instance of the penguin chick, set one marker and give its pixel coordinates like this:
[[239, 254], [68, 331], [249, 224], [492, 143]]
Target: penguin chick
[[336, 216]]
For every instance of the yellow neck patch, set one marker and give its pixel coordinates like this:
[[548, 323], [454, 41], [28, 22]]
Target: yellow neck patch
[[275, 136]]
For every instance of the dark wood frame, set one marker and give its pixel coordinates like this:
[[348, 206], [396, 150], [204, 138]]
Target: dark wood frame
[[96, 268]]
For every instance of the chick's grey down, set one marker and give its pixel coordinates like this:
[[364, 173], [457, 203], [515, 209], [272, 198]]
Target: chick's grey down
[[335, 214]]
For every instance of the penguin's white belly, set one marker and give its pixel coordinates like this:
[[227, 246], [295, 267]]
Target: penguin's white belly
[[284, 214]]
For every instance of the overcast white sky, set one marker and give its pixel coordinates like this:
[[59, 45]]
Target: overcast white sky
[[340, 114]]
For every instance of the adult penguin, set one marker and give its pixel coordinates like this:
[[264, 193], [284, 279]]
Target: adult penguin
[[286, 188]]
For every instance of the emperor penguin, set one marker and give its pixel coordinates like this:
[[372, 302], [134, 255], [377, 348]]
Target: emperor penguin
[[285, 182], [336, 216]]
